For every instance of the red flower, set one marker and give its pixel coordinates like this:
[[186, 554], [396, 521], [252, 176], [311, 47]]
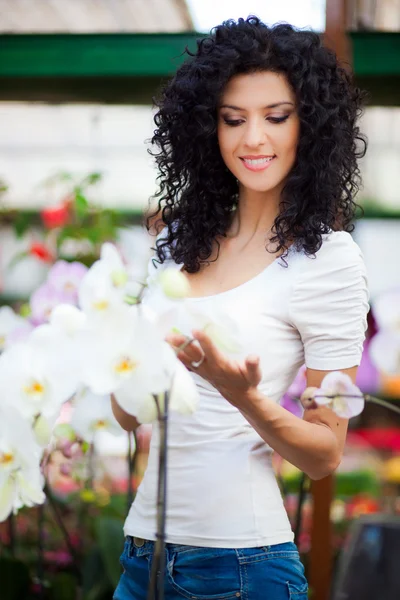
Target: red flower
[[55, 216], [41, 252]]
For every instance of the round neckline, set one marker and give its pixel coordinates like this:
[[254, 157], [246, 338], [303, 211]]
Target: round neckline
[[237, 287]]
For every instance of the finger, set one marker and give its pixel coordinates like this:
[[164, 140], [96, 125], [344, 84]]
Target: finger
[[210, 350], [254, 373], [185, 359], [175, 339]]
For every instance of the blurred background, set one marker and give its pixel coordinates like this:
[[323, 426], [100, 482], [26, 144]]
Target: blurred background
[[77, 78]]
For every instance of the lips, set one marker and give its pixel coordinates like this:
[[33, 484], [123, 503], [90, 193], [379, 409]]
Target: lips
[[257, 163]]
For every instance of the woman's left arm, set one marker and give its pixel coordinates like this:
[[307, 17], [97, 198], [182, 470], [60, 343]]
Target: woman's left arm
[[314, 444]]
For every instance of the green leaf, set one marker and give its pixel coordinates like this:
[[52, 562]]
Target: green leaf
[[81, 205], [14, 579], [95, 581], [21, 224], [93, 178], [64, 587], [110, 537]]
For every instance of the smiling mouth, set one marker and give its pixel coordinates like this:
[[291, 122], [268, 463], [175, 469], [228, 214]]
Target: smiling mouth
[[257, 164]]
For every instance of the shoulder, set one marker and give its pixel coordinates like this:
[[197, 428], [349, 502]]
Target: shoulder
[[337, 270], [329, 303], [338, 255]]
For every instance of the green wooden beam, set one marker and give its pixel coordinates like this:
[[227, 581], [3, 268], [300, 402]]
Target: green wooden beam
[[93, 55], [376, 54], [129, 68], [107, 68]]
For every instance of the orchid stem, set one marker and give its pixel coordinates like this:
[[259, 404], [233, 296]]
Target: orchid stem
[[367, 398], [40, 562], [131, 466], [11, 534], [63, 529], [383, 403], [156, 586]]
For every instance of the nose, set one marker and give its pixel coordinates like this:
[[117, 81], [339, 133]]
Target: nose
[[254, 133]]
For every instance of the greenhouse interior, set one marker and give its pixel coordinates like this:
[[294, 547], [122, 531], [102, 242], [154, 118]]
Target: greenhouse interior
[[78, 80]]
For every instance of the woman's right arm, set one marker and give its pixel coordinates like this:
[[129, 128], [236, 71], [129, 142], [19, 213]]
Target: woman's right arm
[[127, 421]]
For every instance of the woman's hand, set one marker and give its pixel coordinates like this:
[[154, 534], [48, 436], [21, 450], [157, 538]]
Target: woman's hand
[[234, 380]]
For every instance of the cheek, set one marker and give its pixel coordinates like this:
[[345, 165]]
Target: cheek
[[227, 140], [286, 144]]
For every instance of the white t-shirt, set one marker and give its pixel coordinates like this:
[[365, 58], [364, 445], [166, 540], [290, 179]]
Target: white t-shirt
[[222, 490]]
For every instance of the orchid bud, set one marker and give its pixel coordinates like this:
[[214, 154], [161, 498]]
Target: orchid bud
[[64, 431], [42, 430], [307, 398], [174, 284]]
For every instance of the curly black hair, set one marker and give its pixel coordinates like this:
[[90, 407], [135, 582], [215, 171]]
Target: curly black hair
[[197, 192]]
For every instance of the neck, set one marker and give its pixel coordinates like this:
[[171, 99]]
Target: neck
[[255, 214]]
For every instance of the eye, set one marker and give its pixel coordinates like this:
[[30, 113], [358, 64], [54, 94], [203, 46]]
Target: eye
[[278, 119], [233, 123]]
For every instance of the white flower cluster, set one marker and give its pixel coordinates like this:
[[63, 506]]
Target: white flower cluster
[[385, 345], [87, 352]]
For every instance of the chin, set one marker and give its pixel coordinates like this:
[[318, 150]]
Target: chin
[[260, 186]]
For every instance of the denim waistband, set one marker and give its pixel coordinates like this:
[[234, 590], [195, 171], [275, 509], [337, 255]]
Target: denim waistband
[[143, 547]]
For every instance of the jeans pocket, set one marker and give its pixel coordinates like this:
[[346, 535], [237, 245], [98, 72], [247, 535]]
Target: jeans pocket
[[124, 556], [298, 592], [205, 573]]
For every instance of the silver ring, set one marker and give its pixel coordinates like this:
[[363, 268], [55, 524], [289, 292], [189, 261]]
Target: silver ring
[[196, 364]]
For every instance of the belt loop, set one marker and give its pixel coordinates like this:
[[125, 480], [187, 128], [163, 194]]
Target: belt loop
[[130, 546]]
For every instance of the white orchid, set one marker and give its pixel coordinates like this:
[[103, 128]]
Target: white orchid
[[43, 428], [386, 311], [384, 350], [337, 392], [92, 413], [21, 481], [384, 347], [11, 326], [38, 375], [183, 398], [125, 347], [103, 288], [218, 325]]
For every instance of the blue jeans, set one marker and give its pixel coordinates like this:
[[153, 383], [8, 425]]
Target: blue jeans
[[196, 573]]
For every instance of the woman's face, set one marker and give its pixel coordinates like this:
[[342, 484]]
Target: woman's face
[[258, 129]]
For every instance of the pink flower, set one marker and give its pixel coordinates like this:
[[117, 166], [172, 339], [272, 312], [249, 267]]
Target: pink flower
[[290, 400], [65, 277], [299, 383], [339, 393], [43, 300]]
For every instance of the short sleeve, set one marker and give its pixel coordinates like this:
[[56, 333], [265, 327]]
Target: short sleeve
[[329, 304]]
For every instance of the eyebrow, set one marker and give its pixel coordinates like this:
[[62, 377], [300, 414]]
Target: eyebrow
[[269, 105]]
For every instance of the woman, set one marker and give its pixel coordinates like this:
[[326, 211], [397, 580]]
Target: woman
[[257, 141]]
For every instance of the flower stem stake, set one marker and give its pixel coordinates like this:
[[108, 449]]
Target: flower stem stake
[[156, 586], [132, 456], [11, 534], [40, 577]]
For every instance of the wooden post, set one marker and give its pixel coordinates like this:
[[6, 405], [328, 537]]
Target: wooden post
[[335, 36], [320, 565], [321, 552]]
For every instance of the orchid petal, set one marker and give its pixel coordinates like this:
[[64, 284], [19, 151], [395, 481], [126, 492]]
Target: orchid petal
[[7, 497]]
